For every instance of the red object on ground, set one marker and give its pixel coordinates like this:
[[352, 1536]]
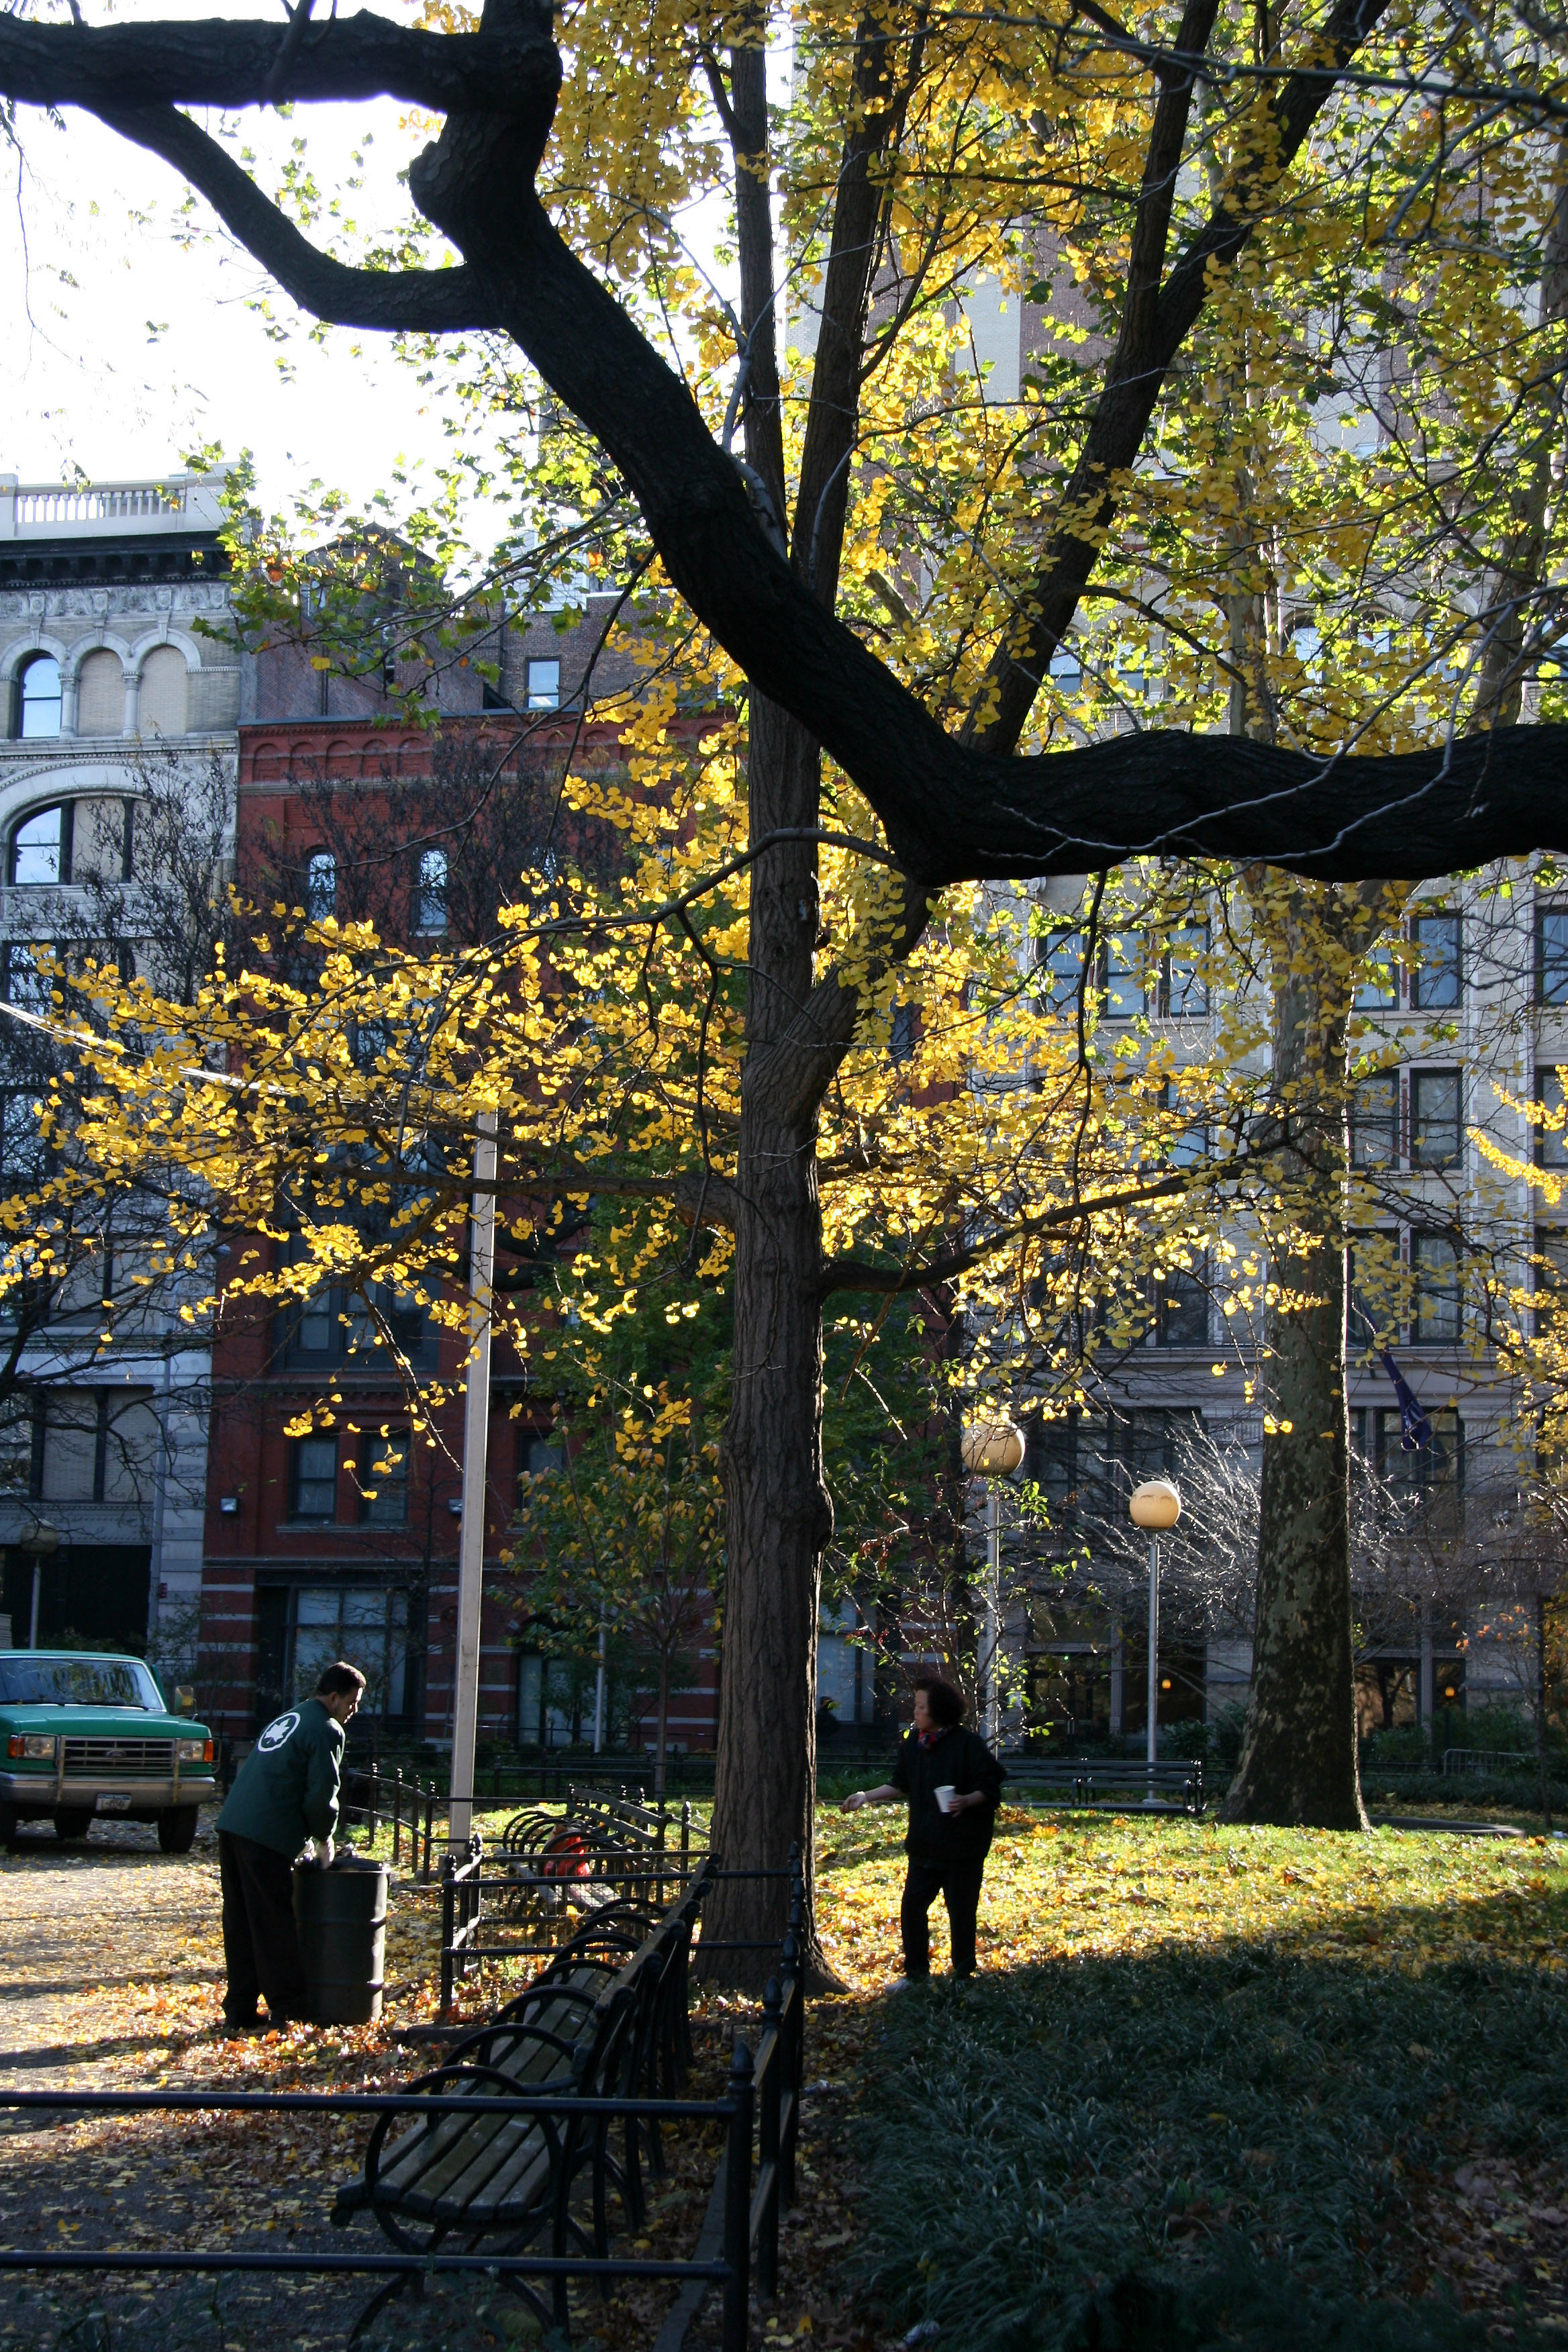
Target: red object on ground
[[566, 1856]]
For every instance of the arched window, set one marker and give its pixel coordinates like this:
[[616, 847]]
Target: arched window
[[164, 692], [430, 908], [100, 695], [320, 884], [40, 697], [40, 846]]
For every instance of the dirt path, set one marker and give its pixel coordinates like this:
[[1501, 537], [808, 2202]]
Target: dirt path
[[110, 1978], [109, 1957]]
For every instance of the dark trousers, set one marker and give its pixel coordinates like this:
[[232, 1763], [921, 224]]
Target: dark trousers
[[958, 1884], [260, 1947]]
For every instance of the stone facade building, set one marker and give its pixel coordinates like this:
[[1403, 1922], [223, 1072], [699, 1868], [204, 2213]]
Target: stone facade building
[[108, 677]]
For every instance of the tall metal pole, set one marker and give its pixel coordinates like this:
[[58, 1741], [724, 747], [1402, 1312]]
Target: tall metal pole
[[1153, 1650], [992, 1615], [476, 1440], [599, 1690]]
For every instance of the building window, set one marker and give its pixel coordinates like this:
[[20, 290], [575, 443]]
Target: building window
[[100, 695], [1436, 1130], [535, 1455], [1434, 1265], [430, 909], [1436, 982], [94, 1445], [1058, 960], [1551, 955], [544, 686], [40, 847], [313, 1479], [320, 886], [1421, 1469], [1374, 1121], [1378, 988], [23, 1155], [383, 1479], [1186, 1140], [166, 690], [1186, 988], [1550, 1275], [1180, 1311], [332, 1325], [1123, 961], [1067, 668], [1374, 1289], [28, 985], [366, 1624], [1550, 1142], [39, 698]]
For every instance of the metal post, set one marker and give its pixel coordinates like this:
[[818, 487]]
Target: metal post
[[599, 1691], [736, 2333], [1154, 1656], [448, 1924], [771, 2050], [476, 1437], [791, 2056], [1425, 1698], [33, 1616], [992, 1613]]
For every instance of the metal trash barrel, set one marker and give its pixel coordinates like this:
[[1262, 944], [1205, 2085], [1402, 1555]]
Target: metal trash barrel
[[340, 1916]]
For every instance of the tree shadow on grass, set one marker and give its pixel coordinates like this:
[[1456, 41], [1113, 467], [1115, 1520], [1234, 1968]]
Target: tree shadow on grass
[[1182, 2148]]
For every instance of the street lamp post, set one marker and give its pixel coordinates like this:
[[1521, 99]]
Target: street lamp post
[[1156, 1506], [40, 1543], [992, 1449]]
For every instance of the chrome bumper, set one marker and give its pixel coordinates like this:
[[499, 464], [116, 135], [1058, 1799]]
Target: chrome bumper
[[43, 1793]]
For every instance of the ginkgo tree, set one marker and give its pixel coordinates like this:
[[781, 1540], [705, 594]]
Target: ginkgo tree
[[880, 569]]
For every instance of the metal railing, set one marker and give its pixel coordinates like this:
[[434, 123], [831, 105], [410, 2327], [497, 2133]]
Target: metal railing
[[760, 2111], [408, 1805], [730, 2269], [1486, 1759]]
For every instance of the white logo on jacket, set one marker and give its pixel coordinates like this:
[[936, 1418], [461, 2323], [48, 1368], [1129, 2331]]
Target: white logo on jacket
[[279, 1732]]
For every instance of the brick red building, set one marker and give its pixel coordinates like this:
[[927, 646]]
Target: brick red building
[[309, 1553]]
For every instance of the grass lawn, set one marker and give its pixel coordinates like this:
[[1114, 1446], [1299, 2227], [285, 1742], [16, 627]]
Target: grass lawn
[[1215, 2086]]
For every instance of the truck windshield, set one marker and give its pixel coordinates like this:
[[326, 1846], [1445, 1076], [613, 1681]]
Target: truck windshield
[[78, 1682]]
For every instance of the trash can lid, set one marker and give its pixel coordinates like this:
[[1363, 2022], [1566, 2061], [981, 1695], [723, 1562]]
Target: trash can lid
[[349, 1860]]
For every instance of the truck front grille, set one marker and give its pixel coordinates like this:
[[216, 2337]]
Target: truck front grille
[[144, 1760]]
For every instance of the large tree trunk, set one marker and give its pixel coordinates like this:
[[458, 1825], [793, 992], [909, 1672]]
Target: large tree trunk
[[777, 1516], [1298, 1752]]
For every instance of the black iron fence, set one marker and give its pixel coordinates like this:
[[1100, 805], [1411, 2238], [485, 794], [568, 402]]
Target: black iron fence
[[760, 2111], [469, 1934], [376, 1795]]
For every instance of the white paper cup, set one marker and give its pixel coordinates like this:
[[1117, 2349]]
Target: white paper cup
[[944, 1797]]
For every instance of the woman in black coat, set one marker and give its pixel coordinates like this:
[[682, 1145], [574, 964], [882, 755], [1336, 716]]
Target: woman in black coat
[[953, 1784]]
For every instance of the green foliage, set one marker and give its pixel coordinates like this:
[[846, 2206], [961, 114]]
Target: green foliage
[[1245, 2305], [1060, 2128]]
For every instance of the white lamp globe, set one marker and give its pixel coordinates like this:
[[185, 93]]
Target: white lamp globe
[[1155, 1506], [992, 1449]]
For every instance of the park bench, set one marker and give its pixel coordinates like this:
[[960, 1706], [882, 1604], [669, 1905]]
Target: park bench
[[552, 1862], [606, 2019], [1108, 1784]]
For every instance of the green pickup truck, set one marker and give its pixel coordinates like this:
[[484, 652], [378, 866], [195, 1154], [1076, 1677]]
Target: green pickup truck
[[82, 1734]]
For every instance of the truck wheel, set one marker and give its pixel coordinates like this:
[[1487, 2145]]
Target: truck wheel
[[177, 1828], [72, 1821]]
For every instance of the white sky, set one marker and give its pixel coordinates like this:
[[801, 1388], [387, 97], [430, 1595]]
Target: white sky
[[124, 350], [83, 380]]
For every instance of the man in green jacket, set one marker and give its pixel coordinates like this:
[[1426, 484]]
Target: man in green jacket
[[285, 1794], [953, 1784]]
